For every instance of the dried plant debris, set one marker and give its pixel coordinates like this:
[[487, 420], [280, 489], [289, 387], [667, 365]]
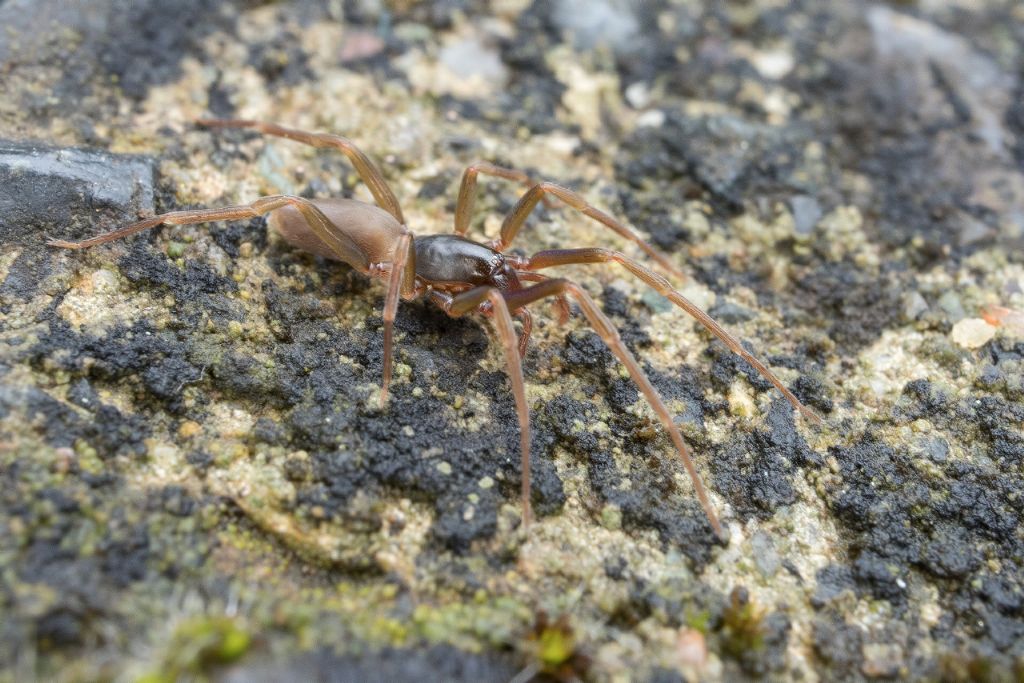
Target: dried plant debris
[[196, 480]]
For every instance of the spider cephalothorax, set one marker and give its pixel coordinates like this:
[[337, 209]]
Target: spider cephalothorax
[[452, 261]]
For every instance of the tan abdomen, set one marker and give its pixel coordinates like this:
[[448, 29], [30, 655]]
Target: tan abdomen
[[371, 231]]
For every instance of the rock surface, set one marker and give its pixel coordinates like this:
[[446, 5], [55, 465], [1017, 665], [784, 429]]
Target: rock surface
[[41, 188], [196, 480]]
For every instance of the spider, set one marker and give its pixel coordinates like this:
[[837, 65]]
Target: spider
[[460, 275]]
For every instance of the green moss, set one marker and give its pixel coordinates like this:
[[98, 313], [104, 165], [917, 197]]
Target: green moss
[[699, 620], [555, 646], [200, 644], [742, 625], [469, 625]]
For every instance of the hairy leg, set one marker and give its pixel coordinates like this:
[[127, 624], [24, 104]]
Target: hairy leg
[[537, 193], [603, 326], [562, 257], [366, 169]]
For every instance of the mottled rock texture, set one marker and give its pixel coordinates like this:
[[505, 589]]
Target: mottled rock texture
[[197, 482]]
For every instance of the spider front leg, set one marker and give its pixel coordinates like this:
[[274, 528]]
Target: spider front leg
[[563, 257], [539, 192], [604, 328], [490, 301], [528, 202]]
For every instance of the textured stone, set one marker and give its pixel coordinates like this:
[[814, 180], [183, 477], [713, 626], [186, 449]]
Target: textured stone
[[43, 187]]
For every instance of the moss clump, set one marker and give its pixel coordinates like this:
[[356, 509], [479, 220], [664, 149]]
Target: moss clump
[[699, 620], [552, 647], [176, 249], [742, 624], [200, 644], [555, 645]]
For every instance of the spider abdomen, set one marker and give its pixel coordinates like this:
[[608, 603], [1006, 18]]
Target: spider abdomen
[[370, 231]]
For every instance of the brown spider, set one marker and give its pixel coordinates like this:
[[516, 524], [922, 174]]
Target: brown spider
[[458, 274]]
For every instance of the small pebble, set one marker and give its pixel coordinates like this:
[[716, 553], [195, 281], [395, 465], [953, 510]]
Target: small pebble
[[934, 448], [914, 305], [188, 429], [950, 303], [972, 333], [591, 23], [655, 118], [773, 64], [765, 556], [728, 312], [806, 214], [611, 517], [638, 95], [691, 648], [469, 58], [881, 660]]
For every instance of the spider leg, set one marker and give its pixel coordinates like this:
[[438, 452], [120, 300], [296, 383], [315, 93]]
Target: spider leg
[[467, 190], [366, 169], [561, 303], [561, 257], [489, 301], [526, 204], [603, 326], [344, 247], [400, 279]]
